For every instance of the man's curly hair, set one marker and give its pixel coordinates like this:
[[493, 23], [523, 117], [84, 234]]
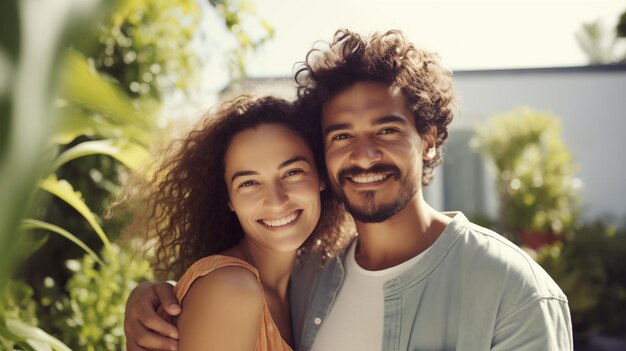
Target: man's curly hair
[[388, 58], [187, 204]]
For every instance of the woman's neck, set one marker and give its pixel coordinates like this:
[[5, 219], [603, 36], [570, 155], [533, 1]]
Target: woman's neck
[[274, 272], [274, 267]]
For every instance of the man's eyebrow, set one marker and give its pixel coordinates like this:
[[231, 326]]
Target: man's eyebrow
[[336, 127], [242, 174], [390, 119]]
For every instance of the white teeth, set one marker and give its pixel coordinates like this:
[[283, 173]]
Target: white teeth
[[281, 221], [370, 178]]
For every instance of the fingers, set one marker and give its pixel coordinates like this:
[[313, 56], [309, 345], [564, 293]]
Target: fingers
[[145, 329], [148, 340], [165, 293], [156, 322]]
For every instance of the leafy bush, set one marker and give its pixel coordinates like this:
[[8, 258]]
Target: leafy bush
[[589, 267], [535, 173], [18, 302], [92, 316]]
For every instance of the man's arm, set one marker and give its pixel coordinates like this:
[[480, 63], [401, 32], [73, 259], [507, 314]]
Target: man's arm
[[145, 327], [543, 324]]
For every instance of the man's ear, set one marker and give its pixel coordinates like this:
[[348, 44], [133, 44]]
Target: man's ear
[[429, 142]]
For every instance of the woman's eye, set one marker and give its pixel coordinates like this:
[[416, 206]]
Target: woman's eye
[[246, 184]]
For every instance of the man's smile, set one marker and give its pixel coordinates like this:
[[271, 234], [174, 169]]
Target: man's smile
[[367, 178]]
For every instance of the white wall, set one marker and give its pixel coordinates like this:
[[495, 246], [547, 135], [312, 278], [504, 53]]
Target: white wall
[[591, 102]]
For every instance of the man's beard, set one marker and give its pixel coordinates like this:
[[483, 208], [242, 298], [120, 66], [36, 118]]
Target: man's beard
[[370, 211]]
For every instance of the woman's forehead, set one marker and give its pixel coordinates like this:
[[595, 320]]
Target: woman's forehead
[[266, 145]]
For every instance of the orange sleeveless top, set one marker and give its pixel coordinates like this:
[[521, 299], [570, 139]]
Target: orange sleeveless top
[[269, 338]]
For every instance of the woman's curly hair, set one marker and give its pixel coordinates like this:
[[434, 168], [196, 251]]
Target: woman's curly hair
[[187, 204], [388, 58]]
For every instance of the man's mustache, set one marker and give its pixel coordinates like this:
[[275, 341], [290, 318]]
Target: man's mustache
[[379, 168]]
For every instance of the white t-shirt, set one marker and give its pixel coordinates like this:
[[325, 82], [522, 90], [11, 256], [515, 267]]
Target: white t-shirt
[[355, 321]]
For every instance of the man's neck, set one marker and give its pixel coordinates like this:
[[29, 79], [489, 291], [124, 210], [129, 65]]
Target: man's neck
[[400, 238]]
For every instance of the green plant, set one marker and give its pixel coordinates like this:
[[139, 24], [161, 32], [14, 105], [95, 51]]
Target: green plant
[[602, 46], [28, 83], [95, 118], [534, 171], [91, 317], [146, 46], [589, 268]]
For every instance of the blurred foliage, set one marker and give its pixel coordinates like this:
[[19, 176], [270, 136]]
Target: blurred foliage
[[621, 26], [589, 267], [30, 52], [19, 330], [79, 149], [91, 317], [148, 45], [250, 31], [90, 107], [535, 181], [18, 302], [601, 45], [145, 45]]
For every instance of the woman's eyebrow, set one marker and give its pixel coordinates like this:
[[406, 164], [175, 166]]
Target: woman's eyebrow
[[292, 161], [284, 164], [242, 174]]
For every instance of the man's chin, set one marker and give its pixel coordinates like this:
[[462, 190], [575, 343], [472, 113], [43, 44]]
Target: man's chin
[[378, 215]]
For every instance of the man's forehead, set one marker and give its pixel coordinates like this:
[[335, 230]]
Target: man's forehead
[[364, 99]]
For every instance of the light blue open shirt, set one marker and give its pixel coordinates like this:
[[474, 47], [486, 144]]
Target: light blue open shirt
[[473, 290]]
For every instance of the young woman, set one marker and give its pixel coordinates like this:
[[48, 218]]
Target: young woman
[[231, 206]]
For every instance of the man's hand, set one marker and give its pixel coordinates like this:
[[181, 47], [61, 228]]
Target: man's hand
[[145, 325]]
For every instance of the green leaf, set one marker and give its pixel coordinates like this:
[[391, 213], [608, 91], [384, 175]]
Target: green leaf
[[64, 190], [128, 153], [100, 103], [36, 338], [36, 224]]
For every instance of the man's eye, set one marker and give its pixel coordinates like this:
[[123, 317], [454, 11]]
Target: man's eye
[[388, 131], [341, 137]]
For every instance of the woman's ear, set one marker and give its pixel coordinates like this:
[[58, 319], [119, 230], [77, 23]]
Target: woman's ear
[[230, 205], [322, 185]]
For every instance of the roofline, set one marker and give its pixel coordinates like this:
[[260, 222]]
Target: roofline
[[618, 67]]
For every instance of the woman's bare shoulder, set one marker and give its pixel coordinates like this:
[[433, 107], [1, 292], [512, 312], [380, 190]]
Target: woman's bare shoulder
[[222, 310], [227, 284]]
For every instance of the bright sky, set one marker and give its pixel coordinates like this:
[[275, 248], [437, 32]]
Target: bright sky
[[467, 34]]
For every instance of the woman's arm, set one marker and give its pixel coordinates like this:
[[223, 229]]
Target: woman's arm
[[221, 311]]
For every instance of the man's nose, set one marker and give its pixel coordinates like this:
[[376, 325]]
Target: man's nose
[[365, 152]]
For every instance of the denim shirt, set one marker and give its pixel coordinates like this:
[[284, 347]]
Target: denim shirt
[[472, 290]]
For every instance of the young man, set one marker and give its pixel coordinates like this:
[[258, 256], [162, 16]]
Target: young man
[[415, 278]]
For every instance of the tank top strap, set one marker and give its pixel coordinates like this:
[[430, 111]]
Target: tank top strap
[[205, 266]]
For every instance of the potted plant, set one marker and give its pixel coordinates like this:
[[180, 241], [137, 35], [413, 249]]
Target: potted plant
[[535, 182]]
